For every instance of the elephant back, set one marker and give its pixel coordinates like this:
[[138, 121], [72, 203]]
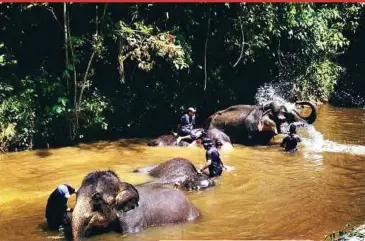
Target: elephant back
[[161, 206], [173, 170], [232, 116]]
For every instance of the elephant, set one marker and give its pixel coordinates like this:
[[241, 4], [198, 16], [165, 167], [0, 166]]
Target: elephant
[[167, 140], [213, 133], [258, 124], [170, 140], [104, 203], [218, 135], [179, 171]]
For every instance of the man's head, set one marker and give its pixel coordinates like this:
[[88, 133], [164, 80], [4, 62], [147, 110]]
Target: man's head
[[293, 129], [207, 143], [191, 111]]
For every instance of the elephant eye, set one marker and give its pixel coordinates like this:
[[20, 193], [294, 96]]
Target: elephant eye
[[120, 206], [127, 206]]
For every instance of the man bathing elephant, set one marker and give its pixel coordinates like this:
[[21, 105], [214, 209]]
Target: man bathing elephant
[[183, 173], [105, 202], [186, 127], [178, 171], [291, 141], [214, 162], [213, 133], [172, 139], [257, 124], [56, 209], [188, 136]]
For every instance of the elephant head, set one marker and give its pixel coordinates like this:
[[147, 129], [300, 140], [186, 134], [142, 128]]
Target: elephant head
[[199, 182], [276, 114], [101, 199]]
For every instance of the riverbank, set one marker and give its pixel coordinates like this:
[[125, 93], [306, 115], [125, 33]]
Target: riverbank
[[357, 234]]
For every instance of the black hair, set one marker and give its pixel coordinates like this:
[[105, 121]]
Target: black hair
[[92, 177], [293, 129]]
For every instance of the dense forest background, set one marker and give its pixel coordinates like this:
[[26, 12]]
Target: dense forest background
[[81, 72]]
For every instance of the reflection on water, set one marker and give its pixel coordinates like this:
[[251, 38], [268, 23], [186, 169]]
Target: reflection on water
[[267, 195]]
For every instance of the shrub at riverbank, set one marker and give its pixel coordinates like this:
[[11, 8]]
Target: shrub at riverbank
[[79, 72]]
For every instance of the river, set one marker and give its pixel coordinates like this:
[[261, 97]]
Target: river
[[267, 195]]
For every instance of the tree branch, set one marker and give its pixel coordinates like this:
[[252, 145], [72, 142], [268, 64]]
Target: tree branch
[[83, 85], [205, 52], [242, 46], [279, 54], [54, 16], [67, 61], [121, 62]]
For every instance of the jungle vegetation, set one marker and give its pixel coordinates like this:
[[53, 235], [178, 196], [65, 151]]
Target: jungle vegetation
[[74, 72]]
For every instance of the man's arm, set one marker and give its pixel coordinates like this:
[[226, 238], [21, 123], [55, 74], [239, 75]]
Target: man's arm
[[223, 165], [206, 165], [184, 120], [284, 142]]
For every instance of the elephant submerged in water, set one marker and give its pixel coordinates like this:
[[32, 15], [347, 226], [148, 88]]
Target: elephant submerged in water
[[258, 124], [178, 170], [104, 202], [213, 133]]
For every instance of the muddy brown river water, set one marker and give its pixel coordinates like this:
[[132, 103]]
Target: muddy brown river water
[[267, 195]]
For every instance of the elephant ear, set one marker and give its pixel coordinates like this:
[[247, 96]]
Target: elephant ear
[[127, 198], [98, 201]]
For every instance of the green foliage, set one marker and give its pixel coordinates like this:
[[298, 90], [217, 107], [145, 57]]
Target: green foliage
[[140, 41], [56, 93], [93, 109], [7, 133], [17, 118], [306, 38], [5, 57]]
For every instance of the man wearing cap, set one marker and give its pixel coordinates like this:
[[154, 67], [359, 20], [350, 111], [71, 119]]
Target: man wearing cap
[[214, 162], [56, 209], [187, 126]]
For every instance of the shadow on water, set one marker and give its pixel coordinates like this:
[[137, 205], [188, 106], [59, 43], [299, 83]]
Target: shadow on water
[[43, 153], [64, 235], [135, 145]]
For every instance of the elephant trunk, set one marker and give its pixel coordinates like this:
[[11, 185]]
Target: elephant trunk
[[207, 123], [313, 116], [79, 221]]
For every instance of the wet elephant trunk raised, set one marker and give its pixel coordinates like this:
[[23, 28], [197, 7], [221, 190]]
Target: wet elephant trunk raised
[[313, 116]]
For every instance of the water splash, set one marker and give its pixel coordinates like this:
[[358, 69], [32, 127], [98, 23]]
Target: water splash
[[314, 143], [317, 144], [272, 92], [229, 168], [227, 147]]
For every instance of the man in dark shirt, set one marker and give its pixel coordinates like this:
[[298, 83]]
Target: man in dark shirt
[[56, 209], [214, 162], [291, 141], [187, 126]]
